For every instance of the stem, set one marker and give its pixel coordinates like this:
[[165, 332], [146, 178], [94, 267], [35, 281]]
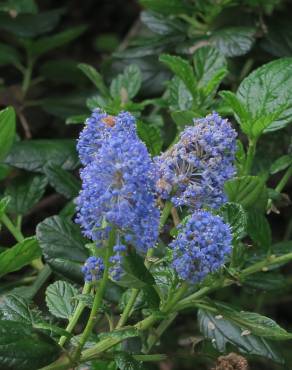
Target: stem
[[159, 331], [284, 180], [250, 156], [165, 213], [18, 236], [127, 311], [27, 75], [98, 297], [77, 313], [263, 265]]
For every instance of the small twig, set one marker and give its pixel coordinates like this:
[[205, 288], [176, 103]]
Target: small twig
[[24, 124], [131, 33]]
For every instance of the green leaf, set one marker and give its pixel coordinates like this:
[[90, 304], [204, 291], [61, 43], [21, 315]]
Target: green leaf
[[161, 25], [166, 6], [246, 190], [183, 118], [241, 114], [7, 131], [221, 332], [3, 204], [33, 155], [136, 275], [281, 164], [63, 246], [62, 181], [19, 6], [31, 25], [266, 92], [63, 71], [59, 299], [45, 44], [181, 68], [19, 255], [235, 216], [23, 348], [125, 361], [151, 136], [73, 120], [267, 282], [233, 41], [210, 68], [16, 308], [259, 229], [165, 279], [94, 77], [25, 191], [9, 55], [179, 98], [126, 86], [257, 324]]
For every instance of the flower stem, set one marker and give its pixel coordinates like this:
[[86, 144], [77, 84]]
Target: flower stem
[[165, 213], [98, 296], [127, 311], [250, 156], [77, 313]]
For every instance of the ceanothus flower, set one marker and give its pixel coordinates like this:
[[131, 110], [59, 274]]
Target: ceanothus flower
[[201, 247], [118, 190], [98, 128], [93, 269], [194, 170]]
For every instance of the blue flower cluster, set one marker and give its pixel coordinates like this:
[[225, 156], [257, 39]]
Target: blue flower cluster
[[201, 247], [194, 170], [99, 127], [118, 185], [93, 269]]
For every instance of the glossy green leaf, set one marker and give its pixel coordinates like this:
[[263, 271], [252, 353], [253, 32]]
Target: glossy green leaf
[[63, 246], [235, 216], [16, 308], [95, 77], [257, 324], [23, 348], [181, 68], [266, 91], [246, 190], [59, 299], [179, 98], [161, 25], [62, 181], [25, 191], [281, 164], [19, 255], [19, 6], [9, 55], [136, 275], [3, 204], [126, 85], [125, 361], [45, 44], [233, 41], [31, 25], [210, 68], [166, 6], [259, 229], [221, 332], [33, 155], [7, 131], [151, 136]]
